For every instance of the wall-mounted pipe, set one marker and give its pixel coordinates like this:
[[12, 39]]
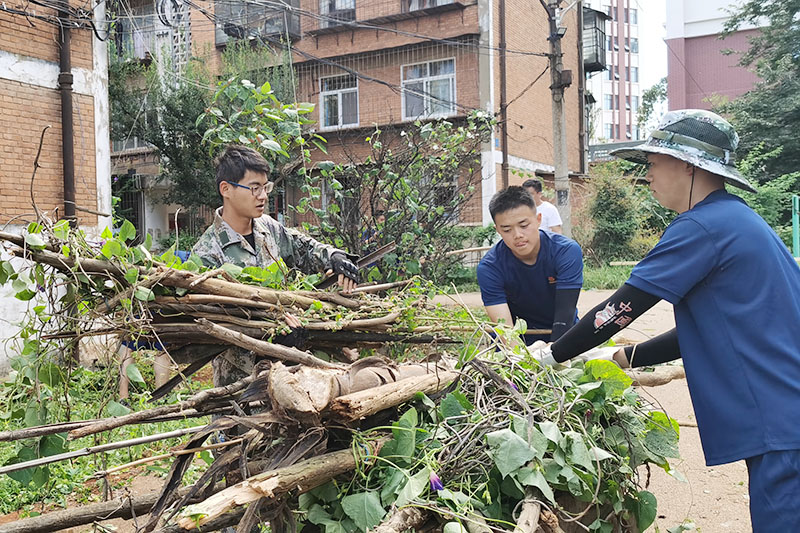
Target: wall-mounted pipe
[[67, 127]]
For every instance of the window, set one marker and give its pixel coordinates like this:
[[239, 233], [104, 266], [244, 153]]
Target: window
[[634, 74], [339, 101], [627, 73], [616, 101], [415, 5], [609, 71], [636, 133], [635, 104], [634, 45], [616, 130], [627, 102], [627, 44], [634, 16], [616, 43], [616, 72], [608, 43], [608, 131], [608, 102], [626, 15], [429, 89], [249, 20], [335, 12]]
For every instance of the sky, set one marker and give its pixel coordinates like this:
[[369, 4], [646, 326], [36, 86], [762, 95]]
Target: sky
[[652, 49]]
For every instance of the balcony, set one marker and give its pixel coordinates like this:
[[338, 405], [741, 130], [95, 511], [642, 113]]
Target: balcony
[[245, 20], [338, 15]]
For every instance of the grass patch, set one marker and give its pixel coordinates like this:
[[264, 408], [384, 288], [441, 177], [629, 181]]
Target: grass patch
[[605, 277]]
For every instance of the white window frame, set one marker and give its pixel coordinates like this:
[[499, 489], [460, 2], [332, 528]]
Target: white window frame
[[426, 99], [339, 93]]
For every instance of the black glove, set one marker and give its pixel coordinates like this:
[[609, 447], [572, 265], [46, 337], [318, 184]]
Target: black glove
[[340, 264], [296, 338]]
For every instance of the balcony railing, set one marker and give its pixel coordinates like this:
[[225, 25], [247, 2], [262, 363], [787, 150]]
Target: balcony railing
[[246, 20]]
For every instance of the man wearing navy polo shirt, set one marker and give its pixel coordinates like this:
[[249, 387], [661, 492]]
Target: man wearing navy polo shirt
[[530, 274], [736, 293]]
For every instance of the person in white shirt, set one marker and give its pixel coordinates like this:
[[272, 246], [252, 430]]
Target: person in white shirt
[[551, 220]]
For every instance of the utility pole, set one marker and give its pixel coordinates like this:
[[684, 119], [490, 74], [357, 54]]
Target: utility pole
[[560, 80], [503, 95]]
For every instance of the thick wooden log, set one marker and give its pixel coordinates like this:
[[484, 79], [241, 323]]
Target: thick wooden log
[[301, 477], [408, 518], [660, 376], [364, 403], [125, 508], [528, 521], [277, 351]]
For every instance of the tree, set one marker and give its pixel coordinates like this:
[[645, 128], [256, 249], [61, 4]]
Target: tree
[[651, 98], [161, 107], [766, 116], [421, 176]]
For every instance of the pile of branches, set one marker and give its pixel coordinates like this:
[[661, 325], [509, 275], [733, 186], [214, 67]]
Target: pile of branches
[[476, 438]]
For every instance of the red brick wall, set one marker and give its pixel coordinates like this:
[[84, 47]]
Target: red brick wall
[[698, 70], [40, 41], [26, 110], [530, 128]]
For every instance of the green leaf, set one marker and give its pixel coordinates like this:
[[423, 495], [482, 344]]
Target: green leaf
[[127, 231], [601, 526], [533, 436], [613, 377], [508, 450], [61, 229], [111, 249], [550, 430], [132, 275], [107, 234], [41, 475], [579, 453], [53, 445], [454, 527], [645, 509], [117, 409], [234, 270], [414, 487], [25, 295], [533, 477], [451, 407], [405, 434], [364, 508], [50, 374], [144, 294], [133, 373], [34, 241], [25, 476], [318, 515]]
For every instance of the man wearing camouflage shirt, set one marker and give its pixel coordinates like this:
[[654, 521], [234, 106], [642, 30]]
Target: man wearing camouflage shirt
[[243, 235]]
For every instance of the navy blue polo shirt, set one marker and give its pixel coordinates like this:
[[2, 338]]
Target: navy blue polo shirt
[[736, 292], [530, 290]]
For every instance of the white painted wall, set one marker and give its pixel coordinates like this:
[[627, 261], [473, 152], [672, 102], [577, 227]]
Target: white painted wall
[[94, 82], [690, 18]]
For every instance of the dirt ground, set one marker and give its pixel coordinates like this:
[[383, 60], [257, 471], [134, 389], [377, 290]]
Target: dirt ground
[[715, 498]]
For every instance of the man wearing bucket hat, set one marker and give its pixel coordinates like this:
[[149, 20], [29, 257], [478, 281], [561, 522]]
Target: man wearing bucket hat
[[736, 294]]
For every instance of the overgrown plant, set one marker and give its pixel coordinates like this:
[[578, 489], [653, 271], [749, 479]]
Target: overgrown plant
[[421, 176]]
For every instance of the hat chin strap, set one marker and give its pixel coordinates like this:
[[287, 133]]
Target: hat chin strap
[[691, 187]]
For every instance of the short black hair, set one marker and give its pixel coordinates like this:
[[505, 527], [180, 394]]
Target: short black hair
[[534, 184], [509, 199], [236, 160], [378, 213]]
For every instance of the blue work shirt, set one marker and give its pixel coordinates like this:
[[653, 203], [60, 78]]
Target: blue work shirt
[[530, 290], [736, 292]]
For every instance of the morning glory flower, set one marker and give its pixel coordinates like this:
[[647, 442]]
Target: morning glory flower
[[436, 483]]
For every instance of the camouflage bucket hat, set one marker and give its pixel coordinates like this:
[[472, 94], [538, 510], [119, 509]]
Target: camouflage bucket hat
[[699, 137]]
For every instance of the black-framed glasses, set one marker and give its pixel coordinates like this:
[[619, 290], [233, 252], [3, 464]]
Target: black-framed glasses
[[255, 190]]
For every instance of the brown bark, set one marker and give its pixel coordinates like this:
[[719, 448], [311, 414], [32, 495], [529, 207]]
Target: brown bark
[[125, 508], [660, 376], [301, 477], [277, 351], [367, 402], [409, 518]]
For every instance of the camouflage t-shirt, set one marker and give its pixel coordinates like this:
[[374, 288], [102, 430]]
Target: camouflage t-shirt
[[221, 244]]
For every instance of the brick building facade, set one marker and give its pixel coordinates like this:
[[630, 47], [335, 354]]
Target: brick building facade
[[389, 62], [30, 100]]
